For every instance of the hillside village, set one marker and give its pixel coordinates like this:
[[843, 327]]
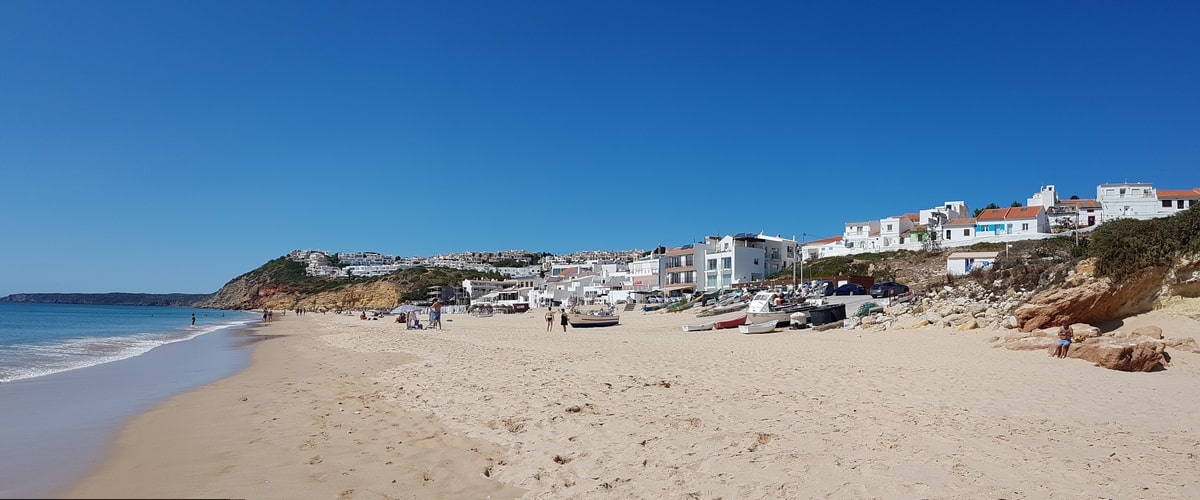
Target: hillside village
[[721, 262]]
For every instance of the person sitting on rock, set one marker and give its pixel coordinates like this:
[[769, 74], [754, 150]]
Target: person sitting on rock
[[1064, 341]]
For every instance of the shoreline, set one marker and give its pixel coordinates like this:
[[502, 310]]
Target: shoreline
[[57, 426], [498, 407], [284, 428]]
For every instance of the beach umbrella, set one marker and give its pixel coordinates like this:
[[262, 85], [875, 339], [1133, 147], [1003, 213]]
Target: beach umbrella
[[406, 308]]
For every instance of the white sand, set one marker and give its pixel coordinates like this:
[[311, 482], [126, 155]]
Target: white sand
[[350, 408]]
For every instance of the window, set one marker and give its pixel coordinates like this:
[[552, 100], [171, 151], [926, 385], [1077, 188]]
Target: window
[[947, 234], [966, 232], [1166, 203], [756, 262], [889, 227], [1025, 226], [712, 264], [1180, 205], [726, 262]]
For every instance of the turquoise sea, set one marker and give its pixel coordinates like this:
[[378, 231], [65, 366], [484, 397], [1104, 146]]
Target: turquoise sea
[[71, 375]]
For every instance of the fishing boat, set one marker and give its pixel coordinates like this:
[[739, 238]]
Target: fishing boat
[[698, 328], [590, 319], [730, 323], [763, 308], [764, 327]]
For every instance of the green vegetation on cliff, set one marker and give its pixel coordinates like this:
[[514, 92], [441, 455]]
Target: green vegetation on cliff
[[283, 283], [1125, 247]]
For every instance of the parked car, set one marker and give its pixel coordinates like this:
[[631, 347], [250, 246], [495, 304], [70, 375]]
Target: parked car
[[850, 289], [888, 289]]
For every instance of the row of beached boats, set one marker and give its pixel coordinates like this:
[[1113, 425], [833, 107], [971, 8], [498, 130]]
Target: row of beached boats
[[738, 322], [766, 312]]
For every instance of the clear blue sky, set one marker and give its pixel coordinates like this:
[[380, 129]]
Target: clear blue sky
[[170, 146]]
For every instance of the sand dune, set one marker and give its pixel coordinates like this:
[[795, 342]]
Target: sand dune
[[498, 407]]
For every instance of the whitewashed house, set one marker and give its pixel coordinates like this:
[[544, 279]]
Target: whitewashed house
[[1173, 201], [861, 236], [1136, 200], [893, 229], [958, 230], [1011, 221], [960, 263]]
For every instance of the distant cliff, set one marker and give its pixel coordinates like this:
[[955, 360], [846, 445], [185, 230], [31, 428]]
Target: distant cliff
[[111, 299], [282, 284]]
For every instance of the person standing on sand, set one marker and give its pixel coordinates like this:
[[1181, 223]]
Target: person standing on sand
[[193, 319], [435, 314], [564, 320], [549, 318]]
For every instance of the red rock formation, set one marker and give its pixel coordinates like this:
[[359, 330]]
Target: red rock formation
[[1136, 356], [1084, 298]]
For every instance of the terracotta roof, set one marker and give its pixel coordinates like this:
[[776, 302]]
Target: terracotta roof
[[992, 214], [965, 221], [1179, 193], [912, 217], [1023, 212], [831, 239], [995, 214], [680, 251]]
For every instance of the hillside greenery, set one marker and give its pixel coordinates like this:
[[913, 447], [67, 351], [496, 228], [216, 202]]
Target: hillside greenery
[[411, 283], [1126, 246]]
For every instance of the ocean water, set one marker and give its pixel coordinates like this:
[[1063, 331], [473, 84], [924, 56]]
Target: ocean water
[[72, 375], [41, 339]]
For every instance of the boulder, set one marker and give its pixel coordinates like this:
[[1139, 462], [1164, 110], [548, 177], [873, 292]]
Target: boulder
[[933, 317], [1085, 330], [969, 325], [1183, 344], [1136, 356], [919, 323], [1151, 332], [1089, 299]]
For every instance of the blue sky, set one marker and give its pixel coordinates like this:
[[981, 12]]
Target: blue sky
[[170, 146]]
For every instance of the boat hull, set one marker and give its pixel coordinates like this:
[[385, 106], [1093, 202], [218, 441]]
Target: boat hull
[[764, 327], [585, 321], [730, 323], [698, 328]]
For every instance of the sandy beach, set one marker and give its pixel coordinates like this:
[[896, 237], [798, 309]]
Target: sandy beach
[[497, 407]]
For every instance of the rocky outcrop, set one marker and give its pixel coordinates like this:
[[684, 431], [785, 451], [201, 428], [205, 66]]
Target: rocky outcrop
[[1150, 332], [1113, 350], [1085, 298], [1135, 356], [965, 307]]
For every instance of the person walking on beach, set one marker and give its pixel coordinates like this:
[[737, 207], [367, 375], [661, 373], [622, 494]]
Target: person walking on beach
[[564, 319], [549, 318], [193, 319], [435, 314]]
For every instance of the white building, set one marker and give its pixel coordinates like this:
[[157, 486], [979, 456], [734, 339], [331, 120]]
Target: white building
[[861, 236], [745, 257], [1173, 201], [1012, 221], [1136, 200], [960, 263], [959, 230]]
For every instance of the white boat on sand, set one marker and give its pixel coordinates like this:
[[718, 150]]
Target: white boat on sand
[[698, 328], [764, 327]]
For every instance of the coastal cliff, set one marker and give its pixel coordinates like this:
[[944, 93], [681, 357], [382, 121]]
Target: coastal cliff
[[282, 284], [111, 299]]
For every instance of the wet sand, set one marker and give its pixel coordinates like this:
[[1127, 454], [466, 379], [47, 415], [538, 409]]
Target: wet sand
[[498, 407]]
